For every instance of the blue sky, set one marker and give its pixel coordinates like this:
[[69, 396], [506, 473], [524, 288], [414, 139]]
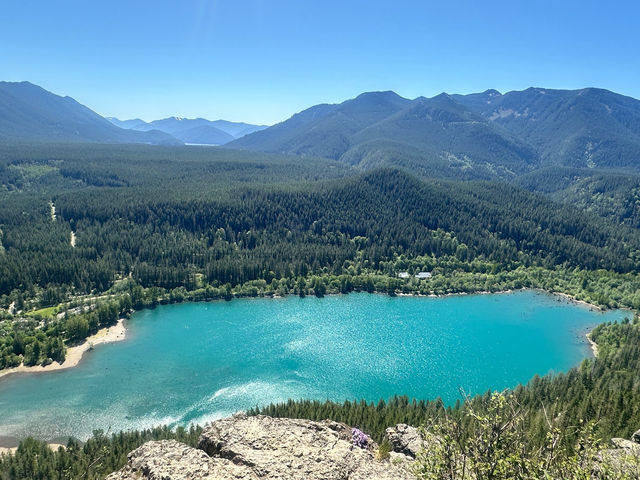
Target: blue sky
[[260, 61]]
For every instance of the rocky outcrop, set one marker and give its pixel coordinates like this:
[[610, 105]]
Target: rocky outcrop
[[287, 448], [266, 448], [405, 439], [636, 437], [171, 460]]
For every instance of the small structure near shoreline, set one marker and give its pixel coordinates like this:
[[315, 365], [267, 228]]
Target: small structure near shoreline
[[419, 275]]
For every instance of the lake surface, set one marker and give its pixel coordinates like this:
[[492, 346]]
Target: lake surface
[[196, 362]]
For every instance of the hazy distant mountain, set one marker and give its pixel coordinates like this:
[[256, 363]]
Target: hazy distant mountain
[[237, 129], [172, 124], [30, 113], [128, 124], [204, 134], [194, 130], [480, 135]]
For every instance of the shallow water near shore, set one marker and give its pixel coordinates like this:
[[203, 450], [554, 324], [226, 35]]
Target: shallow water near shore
[[195, 362]]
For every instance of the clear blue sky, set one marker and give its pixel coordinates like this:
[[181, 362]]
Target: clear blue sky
[[263, 60]]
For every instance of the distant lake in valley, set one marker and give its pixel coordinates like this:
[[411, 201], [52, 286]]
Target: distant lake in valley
[[195, 362]]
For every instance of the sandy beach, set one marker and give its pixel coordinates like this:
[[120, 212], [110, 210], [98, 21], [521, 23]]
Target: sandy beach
[[115, 333], [594, 345], [52, 446]]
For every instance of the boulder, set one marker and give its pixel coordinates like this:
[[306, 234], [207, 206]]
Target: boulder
[[622, 461], [636, 437], [405, 439], [409, 440]]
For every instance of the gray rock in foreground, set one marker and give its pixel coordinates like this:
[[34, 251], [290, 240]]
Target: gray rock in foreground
[[405, 439], [283, 448], [266, 448], [171, 460]]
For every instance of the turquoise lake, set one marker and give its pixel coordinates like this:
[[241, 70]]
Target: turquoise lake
[[196, 362]]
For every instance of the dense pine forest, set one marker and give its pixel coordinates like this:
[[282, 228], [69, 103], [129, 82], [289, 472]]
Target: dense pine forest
[[90, 233]]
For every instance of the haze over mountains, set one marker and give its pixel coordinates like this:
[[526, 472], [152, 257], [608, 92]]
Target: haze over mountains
[[31, 113], [196, 130]]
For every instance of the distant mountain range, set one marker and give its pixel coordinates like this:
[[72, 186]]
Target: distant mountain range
[[31, 113], [478, 136], [196, 130], [484, 135]]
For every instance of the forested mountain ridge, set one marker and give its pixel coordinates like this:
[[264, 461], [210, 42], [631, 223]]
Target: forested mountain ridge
[[587, 128], [30, 113], [485, 135]]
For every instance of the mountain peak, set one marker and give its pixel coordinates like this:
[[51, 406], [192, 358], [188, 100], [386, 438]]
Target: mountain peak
[[538, 90], [385, 94], [442, 96]]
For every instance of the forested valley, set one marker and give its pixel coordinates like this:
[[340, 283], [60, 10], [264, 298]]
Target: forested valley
[[90, 233]]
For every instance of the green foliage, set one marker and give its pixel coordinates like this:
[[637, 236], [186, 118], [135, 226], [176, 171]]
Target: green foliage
[[383, 451], [77, 328], [612, 195], [35, 341], [489, 442]]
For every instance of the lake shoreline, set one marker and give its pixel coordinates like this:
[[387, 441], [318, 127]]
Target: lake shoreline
[[576, 301], [592, 344], [115, 333], [118, 332], [563, 296], [204, 352]]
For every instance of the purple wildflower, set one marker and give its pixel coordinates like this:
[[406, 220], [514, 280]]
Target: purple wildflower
[[359, 438]]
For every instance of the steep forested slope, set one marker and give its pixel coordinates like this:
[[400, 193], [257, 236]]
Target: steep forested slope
[[484, 135], [588, 128]]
